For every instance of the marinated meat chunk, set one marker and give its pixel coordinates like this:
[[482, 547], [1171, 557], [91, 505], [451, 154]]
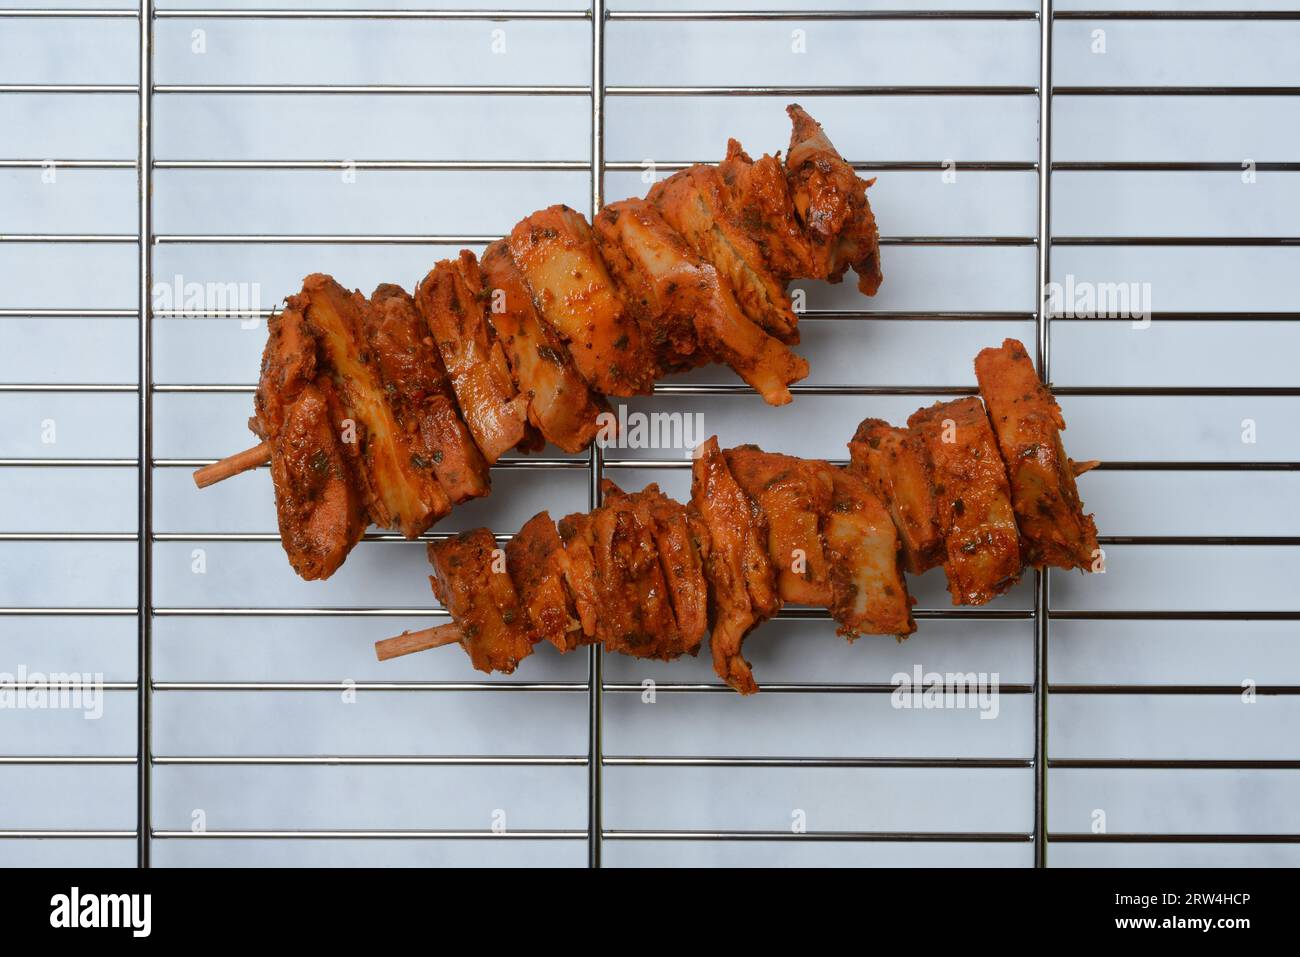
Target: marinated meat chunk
[[694, 202], [648, 263], [636, 610], [579, 566], [288, 366], [737, 565], [402, 490], [321, 514], [974, 500], [471, 582], [560, 405], [451, 300], [420, 394], [869, 593], [895, 464], [793, 494], [831, 202], [574, 294], [678, 534], [760, 196], [535, 561], [1028, 424], [687, 312]]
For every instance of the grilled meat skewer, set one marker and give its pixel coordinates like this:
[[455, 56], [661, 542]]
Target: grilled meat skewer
[[646, 576], [425, 392]]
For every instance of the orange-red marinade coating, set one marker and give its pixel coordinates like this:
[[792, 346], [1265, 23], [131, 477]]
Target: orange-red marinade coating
[[1028, 424], [793, 494], [974, 500], [687, 312], [579, 567], [637, 616], [452, 301], [831, 202], [680, 537], [895, 464], [420, 393], [288, 365], [869, 593], [737, 565], [760, 196], [318, 503], [560, 404], [696, 203], [471, 582], [556, 253], [403, 491], [536, 562]]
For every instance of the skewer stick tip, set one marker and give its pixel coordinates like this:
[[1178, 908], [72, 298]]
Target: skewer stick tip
[[232, 465], [409, 642]]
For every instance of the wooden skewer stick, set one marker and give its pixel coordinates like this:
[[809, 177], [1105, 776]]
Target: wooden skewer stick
[[409, 642], [233, 465], [1081, 467]]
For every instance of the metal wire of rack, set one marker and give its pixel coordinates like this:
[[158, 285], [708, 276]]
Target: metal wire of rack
[[594, 686]]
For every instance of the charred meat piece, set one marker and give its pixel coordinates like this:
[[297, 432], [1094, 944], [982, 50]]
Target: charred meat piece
[[403, 491], [793, 494], [869, 593], [974, 500], [737, 566], [636, 610], [687, 312], [321, 514], [760, 196], [420, 394], [1028, 424], [560, 405], [695, 202], [471, 582], [451, 300], [536, 562], [572, 290], [831, 202], [895, 464]]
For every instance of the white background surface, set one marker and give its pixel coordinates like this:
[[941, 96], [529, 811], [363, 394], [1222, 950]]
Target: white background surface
[[864, 351]]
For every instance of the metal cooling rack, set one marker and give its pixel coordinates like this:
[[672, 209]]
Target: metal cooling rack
[[595, 687]]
